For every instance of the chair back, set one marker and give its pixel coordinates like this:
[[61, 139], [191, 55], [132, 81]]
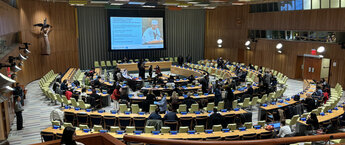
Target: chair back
[[95, 120], [220, 105], [216, 128], [135, 108], [250, 136], [130, 129], [234, 104], [194, 107], [82, 118], [65, 100], [246, 102], [248, 125], [47, 136], [67, 125], [96, 128], [172, 124], [266, 135], [254, 101], [114, 128], [182, 108], [183, 129], [74, 102], [152, 108], [123, 108], [199, 128], [109, 121], [149, 129], [186, 121], [210, 106], [232, 126], [83, 126], [139, 122], [201, 120], [124, 121], [69, 117], [233, 137], [165, 129]]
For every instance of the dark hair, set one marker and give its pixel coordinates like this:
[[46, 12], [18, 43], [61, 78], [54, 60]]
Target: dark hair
[[64, 81], [93, 91], [157, 110], [215, 110], [283, 123], [67, 136], [83, 90], [313, 116]]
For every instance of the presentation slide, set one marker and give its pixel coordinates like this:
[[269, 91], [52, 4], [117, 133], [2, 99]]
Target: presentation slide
[[136, 33]]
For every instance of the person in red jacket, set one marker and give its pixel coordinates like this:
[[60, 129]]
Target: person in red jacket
[[325, 95], [68, 94], [115, 97]]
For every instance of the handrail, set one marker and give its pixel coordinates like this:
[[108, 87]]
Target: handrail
[[286, 140]]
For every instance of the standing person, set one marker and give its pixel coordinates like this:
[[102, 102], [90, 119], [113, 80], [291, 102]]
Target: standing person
[[142, 67], [204, 82], [115, 97], [18, 109], [162, 104], [188, 59], [150, 98], [18, 91], [158, 70], [220, 62], [229, 97], [217, 94], [125, 60], [180, 60], [150, 71], [68, 137]]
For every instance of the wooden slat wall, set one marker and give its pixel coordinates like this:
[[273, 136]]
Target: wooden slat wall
[[228, 24], [9, 19], [222, 22], [63, 41]]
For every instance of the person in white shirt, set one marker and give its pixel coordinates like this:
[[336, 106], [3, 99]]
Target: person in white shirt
[[284, 130], [83, 94]]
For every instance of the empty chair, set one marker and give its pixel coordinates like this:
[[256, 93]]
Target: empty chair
[[114, 128], [213, 138], [114, 63], [165, 129], [95, 120], [108, 63], [194, 107], [47, 136], [139, 122], [292, 121], [201, 120], [220, 105], [96, 128], [83, 126], [67, 125], [263, 99], [245, 103], [109, 121], [262, 123], [172, 124], [182, 108], [183, 129], [199, 128], [82, 105], [234, 104], [96, 64], [209, 107], [82, 118], [217, 128], [57, 123], [232, 137], [232, 126], [254, 101], [266, 135], [186, 121], [130, 129], [250, 136], [123, 108], [67, 102], [135, 108], [103, 64], [248, 125], [124, 121], [152, 108], [74, 103], [149, 129]]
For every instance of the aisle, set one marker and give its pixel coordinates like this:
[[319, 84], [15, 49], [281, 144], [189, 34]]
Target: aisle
[[37, 113]]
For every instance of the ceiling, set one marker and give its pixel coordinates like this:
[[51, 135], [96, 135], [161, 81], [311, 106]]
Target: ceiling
[[170, 4]]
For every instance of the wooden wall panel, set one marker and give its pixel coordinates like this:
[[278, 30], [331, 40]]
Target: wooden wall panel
[[63, 41], [9, 19], [266, 55], [228, 24]]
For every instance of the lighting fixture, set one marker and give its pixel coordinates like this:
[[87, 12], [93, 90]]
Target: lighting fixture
[[219, 45], [5, 81], [247, 43], [321, 49], [219, 41], [279, 46], [248, 47], [321, 56], [279, 51]]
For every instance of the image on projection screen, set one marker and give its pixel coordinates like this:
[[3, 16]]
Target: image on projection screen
[[136, 33]]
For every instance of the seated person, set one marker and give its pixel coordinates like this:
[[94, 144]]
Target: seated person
[[171, 115], [97, 83], [309, 103], [215, 118], [189, 101], [313, 121], [68, 137], [63, 86], [250, 90], [155, 115], [94, 98], [285, 130], [68, 94], [191, 78], [342, 117], [83, 94]]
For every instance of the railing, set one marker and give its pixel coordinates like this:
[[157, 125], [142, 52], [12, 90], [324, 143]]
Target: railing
[[287, 140]]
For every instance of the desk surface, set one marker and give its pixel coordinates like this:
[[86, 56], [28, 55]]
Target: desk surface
[[134, 66], [308, 90], [180, 97], [170, 136], [193, 115], [327, 116], [69, 74]]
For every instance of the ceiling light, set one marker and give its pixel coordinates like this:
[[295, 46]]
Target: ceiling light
[[6, 89], [248, 47], [183, 6], [148, 6], [15, 68], [321, 49], [210, 8], [279, 46], [116, 4], [170, 4], [321, 56], [99, 1], [5, 81], [247, 43], [219, 45], [219, 41], [279, 51]]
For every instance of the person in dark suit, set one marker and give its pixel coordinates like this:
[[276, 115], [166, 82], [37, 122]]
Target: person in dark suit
[[94, 98], [229, 97], [171, 115], [63, 86], [250, 90], [180, 60], [188, 59], [204, 82], [150, 71], [189, 101], [215, 118], [97, 83], [217, 94], [155, 115]]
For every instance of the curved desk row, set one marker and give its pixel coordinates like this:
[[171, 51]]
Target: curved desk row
[[134, 66]]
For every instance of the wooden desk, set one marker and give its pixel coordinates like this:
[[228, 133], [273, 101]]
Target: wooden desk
[[193, 115], [310, 90], [69, 74], [170, 89], [180, 97], [134, 66], [168, 135], [186, 71], [327, 116]]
